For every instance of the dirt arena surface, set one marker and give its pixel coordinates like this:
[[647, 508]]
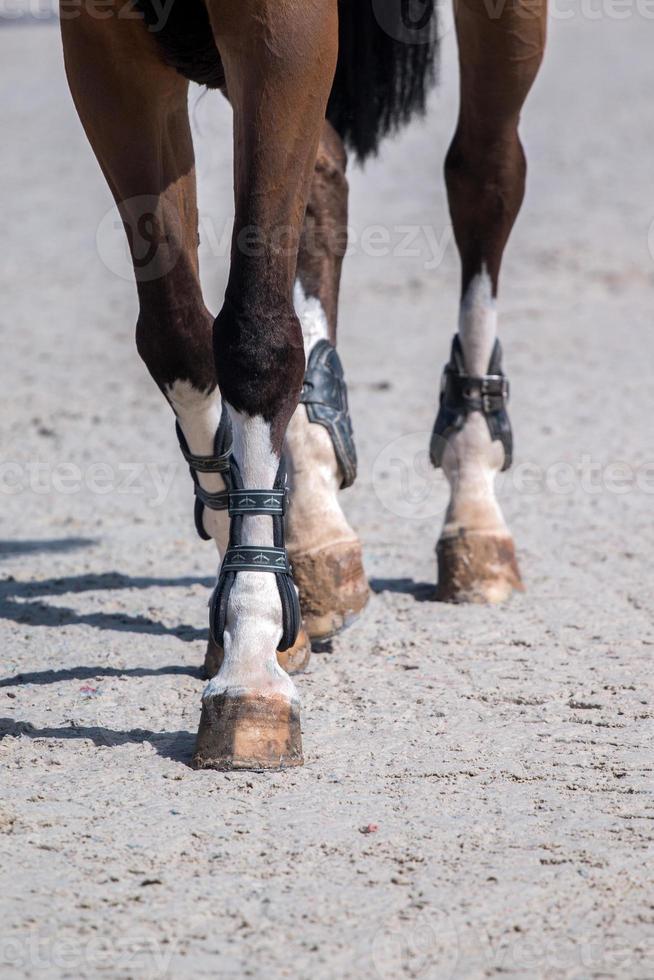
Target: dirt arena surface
[[477, 794]]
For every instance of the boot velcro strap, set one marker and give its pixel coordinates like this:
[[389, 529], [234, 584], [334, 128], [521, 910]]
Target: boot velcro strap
[[463, 393], [244, 502], [218, 500], [486, 393], [220, 462], [207, 464], [251, 558]]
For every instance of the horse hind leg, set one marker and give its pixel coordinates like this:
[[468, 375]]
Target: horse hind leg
[[325, 551], [279, 61], [485, 175]]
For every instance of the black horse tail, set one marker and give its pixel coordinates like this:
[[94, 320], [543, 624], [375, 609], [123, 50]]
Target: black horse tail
[[387, 61]]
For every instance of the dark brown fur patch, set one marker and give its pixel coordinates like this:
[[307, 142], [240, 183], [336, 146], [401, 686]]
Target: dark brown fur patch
[[183, 31]]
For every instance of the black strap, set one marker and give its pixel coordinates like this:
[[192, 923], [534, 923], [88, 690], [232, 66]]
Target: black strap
[[214, 501], [463, 393], [244, 502], [486, 394], [250, 558], [203, 464], [220, 462]]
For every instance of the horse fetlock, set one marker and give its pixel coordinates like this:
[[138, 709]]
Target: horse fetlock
[[471, 462], [475, 552], [325, 552], [293, 661], [250, 708], [315, 518]]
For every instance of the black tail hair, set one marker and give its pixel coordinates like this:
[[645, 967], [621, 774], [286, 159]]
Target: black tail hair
[[387, 61]]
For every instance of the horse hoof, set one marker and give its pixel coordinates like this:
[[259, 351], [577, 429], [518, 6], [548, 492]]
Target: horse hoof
[[296, 658], [293, 661], [247, 730], [333, 588], [475, 567]]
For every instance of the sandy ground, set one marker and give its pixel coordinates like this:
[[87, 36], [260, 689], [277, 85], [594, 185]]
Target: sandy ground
[[505, 754]]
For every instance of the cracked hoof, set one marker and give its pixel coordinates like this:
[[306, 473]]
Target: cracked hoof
[[293, 661], [333, 588], [248, 730], [477, 567]]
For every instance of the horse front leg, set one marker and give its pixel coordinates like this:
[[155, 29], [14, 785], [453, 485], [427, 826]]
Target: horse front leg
[[279, 60], [134, 111], [155, 189], [499, 55]]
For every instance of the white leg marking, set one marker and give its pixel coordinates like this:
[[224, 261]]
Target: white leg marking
[[315, 519], [254, 611], [312, 317], [471, 459], [478, 323], [198, 413]]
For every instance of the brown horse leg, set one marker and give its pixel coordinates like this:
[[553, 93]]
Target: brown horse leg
[[326, 553], [134, 111], [499, 53], [279, 58]]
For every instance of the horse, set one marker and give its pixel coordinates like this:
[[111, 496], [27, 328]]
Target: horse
[[258, 392]]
